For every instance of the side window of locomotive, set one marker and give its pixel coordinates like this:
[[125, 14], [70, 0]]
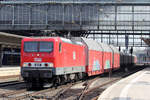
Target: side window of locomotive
[[59, 47]]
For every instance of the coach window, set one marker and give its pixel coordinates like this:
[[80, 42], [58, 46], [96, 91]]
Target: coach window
[[59, 47]]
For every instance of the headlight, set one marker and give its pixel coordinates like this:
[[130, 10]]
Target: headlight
[[51, 65], [25, 65]]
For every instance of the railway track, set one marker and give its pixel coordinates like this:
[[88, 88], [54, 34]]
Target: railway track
[[8, 86], [61, 93], [4, 84], [96, 91], [7, 94], [62, 90], [34, 94], [85, 92]]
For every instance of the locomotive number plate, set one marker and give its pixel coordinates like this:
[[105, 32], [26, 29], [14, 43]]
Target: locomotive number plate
[[37, 59]]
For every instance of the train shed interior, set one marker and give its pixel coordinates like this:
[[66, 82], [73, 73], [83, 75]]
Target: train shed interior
[[121, 29], [10, 49]]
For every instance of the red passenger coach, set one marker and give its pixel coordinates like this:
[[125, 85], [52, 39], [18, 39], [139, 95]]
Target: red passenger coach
[[43, 58]]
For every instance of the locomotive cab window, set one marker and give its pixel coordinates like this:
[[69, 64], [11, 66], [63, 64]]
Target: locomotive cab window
[[31, 46], [38, 46], [45, 46], [59, 47]]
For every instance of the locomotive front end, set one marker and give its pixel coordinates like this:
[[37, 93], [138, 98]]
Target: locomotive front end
[[37, 59]]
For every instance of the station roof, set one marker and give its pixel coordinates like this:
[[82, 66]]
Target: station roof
[[146, 40], [10, 40]]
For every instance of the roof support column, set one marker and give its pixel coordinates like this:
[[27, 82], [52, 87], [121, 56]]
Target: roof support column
[[115, 17], [101, 36], [1, 55], [132, 18], [117, 38]]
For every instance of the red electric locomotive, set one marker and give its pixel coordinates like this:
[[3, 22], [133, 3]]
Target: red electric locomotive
[[51, 59]]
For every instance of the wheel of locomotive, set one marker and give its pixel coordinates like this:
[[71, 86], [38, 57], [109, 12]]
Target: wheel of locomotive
[[65, 79], [39, 84], [56, 81], [62, 79], [29, 85], [34, 85], [80, 76], [76, 78], [68, 78]]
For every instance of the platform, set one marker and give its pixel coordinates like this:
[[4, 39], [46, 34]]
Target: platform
[[9, 71], [134, 87]]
